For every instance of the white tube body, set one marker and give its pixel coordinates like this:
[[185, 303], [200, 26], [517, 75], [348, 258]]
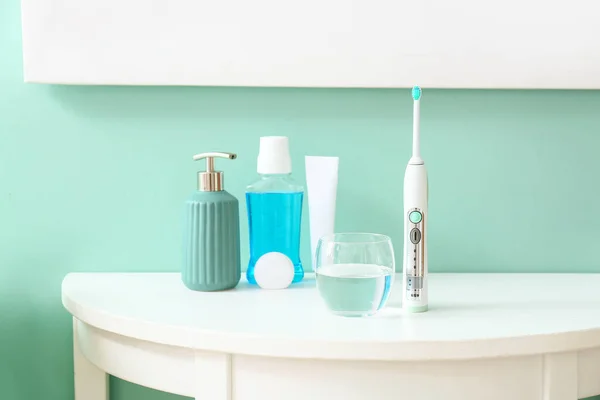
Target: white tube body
[[321, 187], [414, 276]]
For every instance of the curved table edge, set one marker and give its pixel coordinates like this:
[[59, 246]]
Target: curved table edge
[[274, 346]]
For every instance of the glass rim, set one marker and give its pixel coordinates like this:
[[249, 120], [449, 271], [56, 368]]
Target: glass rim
[[338, 238]]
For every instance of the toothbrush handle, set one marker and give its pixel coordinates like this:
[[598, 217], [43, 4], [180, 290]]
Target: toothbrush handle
[[415, 269]]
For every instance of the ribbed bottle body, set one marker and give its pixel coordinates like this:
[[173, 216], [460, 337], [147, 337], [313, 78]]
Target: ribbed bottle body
[[211, 242]]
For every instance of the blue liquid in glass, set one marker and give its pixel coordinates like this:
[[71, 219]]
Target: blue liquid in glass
[[274, 220]]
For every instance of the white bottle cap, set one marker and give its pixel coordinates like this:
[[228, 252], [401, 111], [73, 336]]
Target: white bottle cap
[[274, 155], [274, 271]]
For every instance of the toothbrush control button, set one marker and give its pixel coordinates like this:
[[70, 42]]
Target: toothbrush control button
[[415, 217], [415, 236]]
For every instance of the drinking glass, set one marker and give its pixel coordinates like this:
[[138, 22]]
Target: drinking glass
[[354, 272]]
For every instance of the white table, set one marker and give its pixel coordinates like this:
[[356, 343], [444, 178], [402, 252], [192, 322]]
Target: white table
[[486, 336]]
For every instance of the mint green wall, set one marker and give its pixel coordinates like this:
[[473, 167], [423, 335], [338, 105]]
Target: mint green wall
[[93, 178]]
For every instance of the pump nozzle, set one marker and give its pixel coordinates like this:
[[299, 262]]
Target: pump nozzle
[[211, 180]]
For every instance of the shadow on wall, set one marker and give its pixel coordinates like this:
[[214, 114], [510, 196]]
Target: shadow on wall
[[34, 334], [174, 102], [120, 389], [202, 103]]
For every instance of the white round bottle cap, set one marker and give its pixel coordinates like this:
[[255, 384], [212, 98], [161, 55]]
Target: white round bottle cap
[[274, 271], [274, 155]]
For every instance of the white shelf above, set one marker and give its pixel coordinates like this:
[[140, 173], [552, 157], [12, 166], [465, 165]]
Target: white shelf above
[[314, 43]]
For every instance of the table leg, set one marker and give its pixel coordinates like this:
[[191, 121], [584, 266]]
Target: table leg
[[213, 372], [91, 383], [560, 376], [588, 373]]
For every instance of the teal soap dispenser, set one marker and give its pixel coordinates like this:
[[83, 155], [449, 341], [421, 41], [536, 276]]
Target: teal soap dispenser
[[211, 236]]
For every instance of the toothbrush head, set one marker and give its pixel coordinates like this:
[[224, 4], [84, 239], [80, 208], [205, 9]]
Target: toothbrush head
[[416, 93]]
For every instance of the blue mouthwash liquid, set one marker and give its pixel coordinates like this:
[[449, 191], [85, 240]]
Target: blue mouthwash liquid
[[274, 220]]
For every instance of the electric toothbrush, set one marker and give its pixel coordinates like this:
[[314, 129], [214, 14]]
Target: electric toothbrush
[[416, 196]]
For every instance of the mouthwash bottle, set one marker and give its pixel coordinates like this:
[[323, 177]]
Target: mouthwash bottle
[[274, 205]]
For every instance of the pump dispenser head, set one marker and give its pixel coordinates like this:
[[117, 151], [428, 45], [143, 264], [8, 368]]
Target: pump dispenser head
[[211, 180]]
